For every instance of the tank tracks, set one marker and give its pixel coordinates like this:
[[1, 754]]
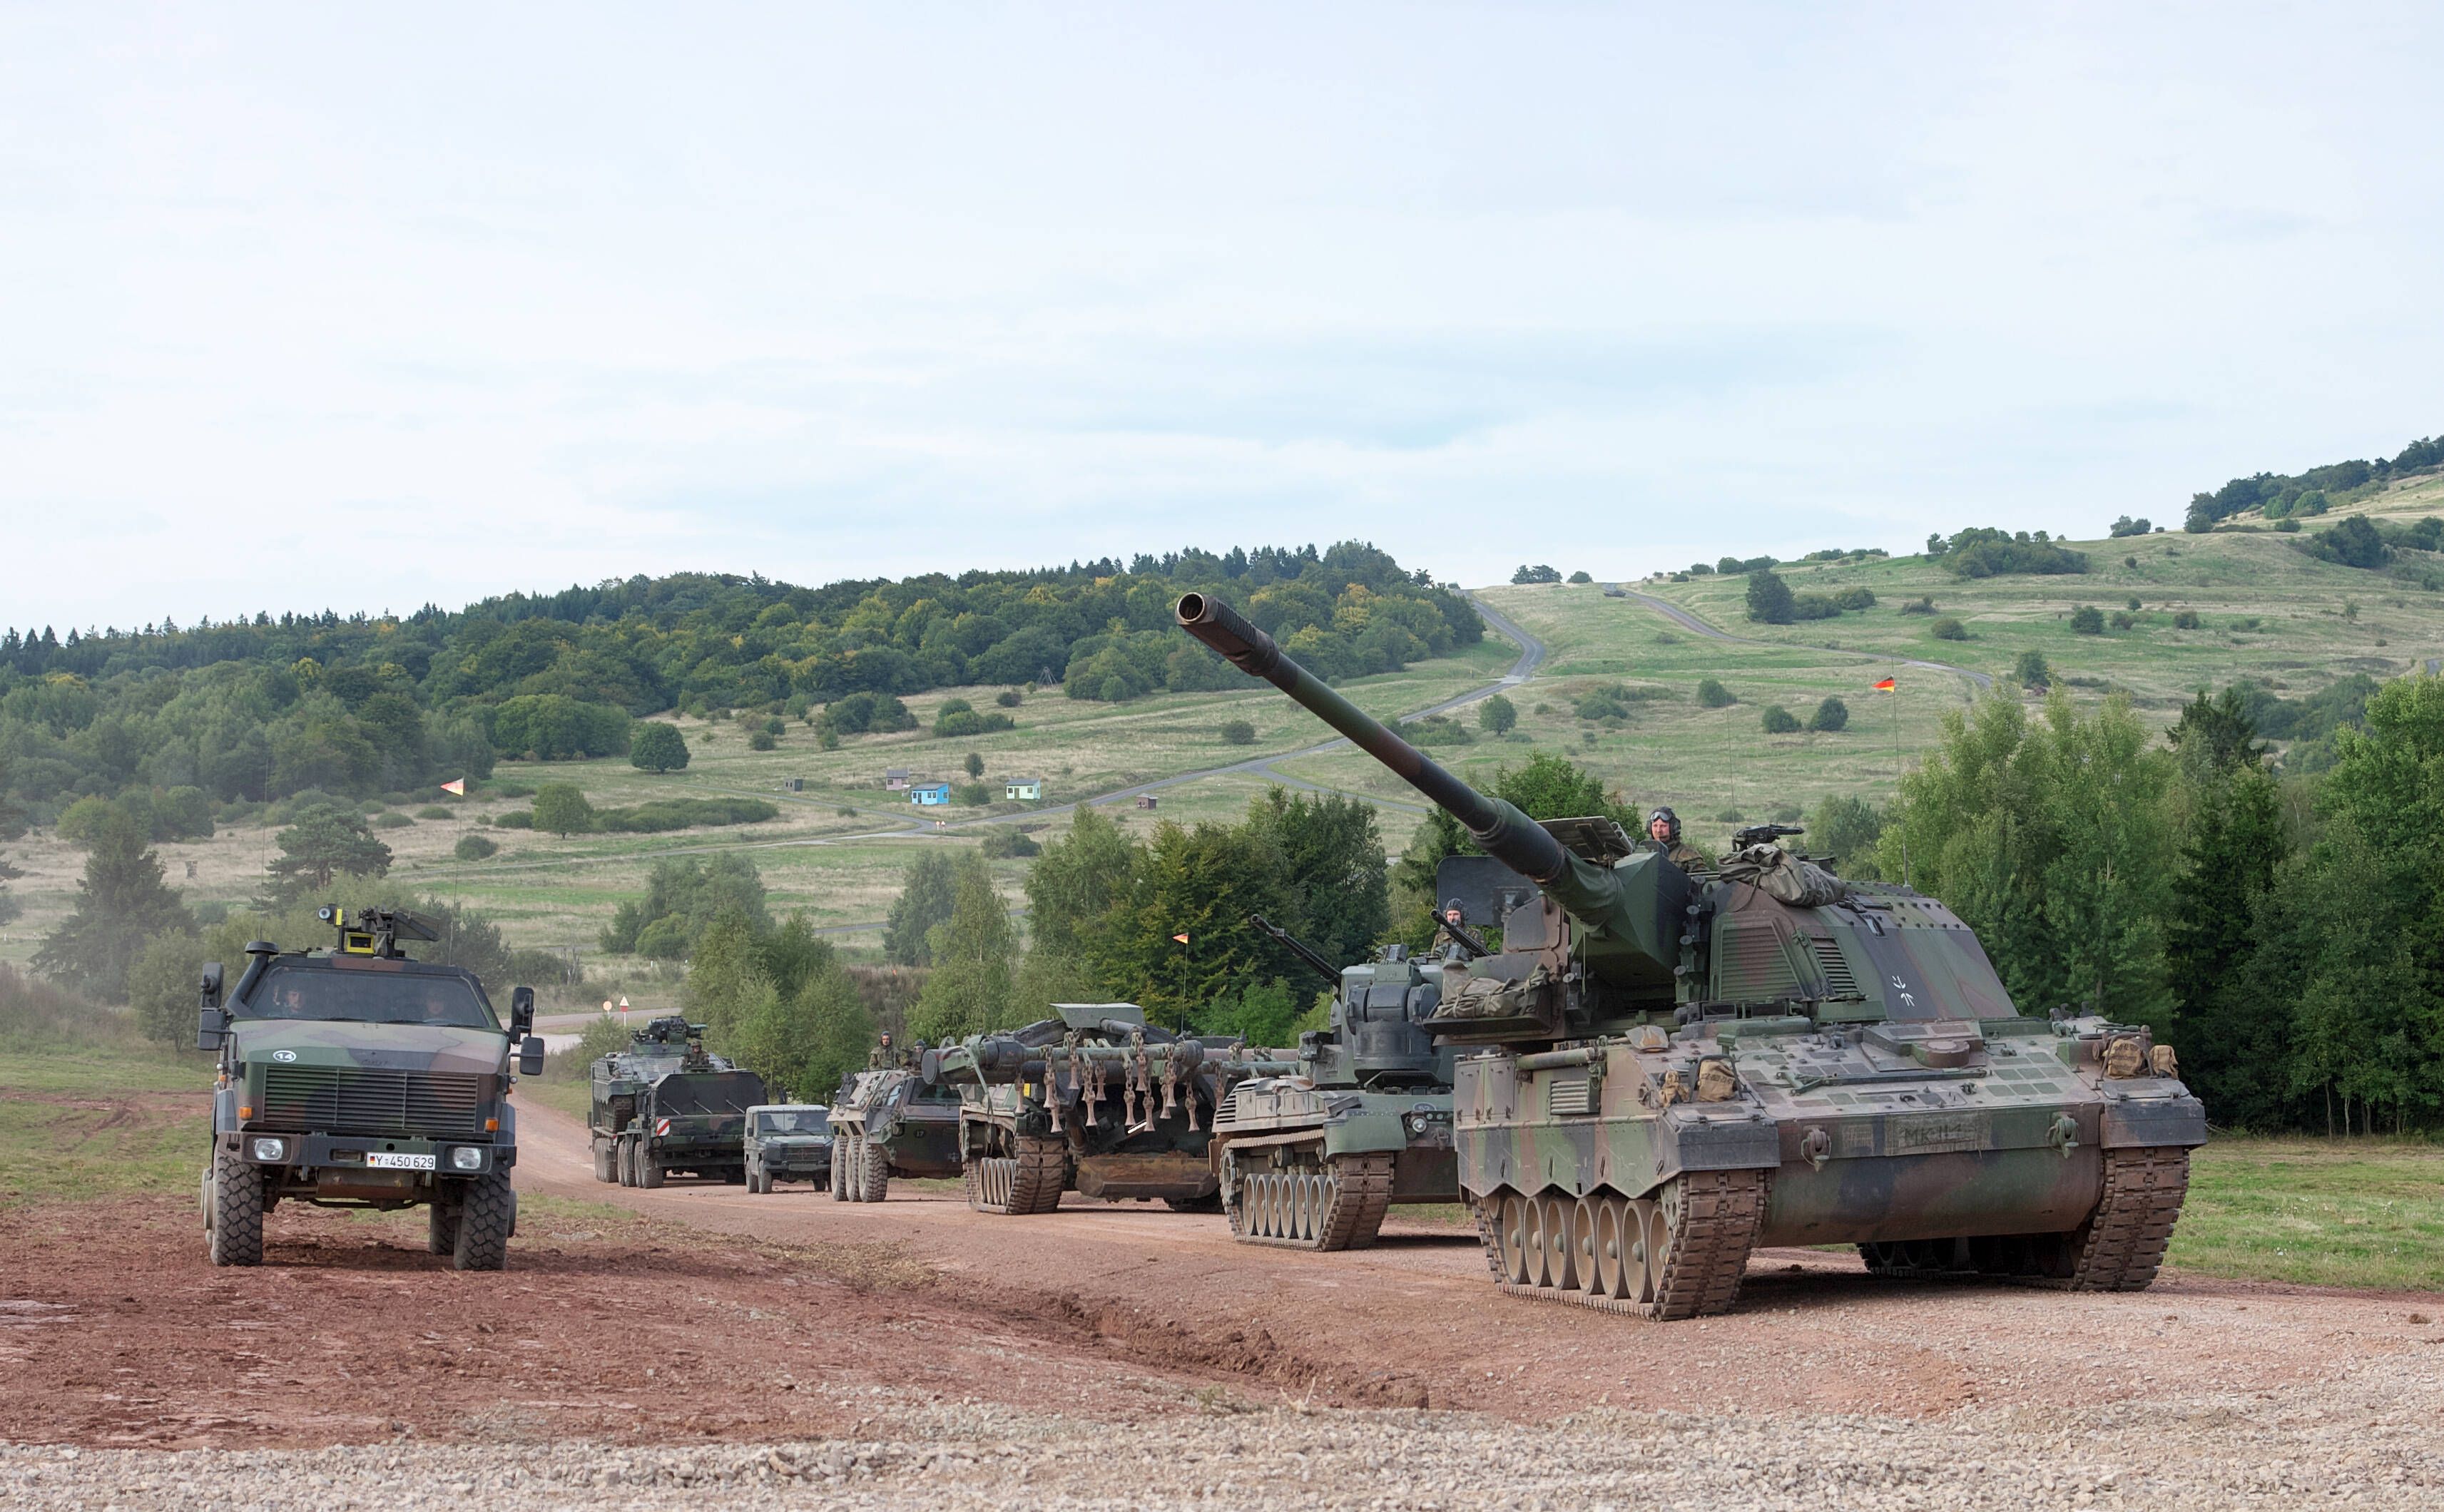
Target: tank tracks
[[1679, 1255], [2118, 1248], [1029, 1182], [1340, 1207]]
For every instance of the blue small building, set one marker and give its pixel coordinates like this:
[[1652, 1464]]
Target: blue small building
[[929, 795]]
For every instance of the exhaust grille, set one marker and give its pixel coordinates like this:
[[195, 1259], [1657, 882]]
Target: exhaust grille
[[334, 1099], [1838, 982], [1570, 1097]]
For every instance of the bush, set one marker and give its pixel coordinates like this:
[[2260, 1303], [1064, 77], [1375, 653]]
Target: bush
[[1983, 552], [562, 808], [514, 819], [1436, 730], [2030, 669], [654, 747], [1581, 577], [1536, 574], [1713, 694], [1948, 628], [2127, 526], [664, 939], [473, 848], [2287, 525], [434, 811], [958, 718], [1238, 732], [1008, 698], [971, 795], [762, 740], [2132, 605], [1923, 605], [867, 713], [2186, 619], [1778, 721], [1770, 601], [2125, 619], [684, 813], [509, 789], [392, 821], [1001, 844], [2087, 620], [1830, 715]]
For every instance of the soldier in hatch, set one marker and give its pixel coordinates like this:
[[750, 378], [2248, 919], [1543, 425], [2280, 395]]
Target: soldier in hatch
[[885, 1056], [1663, 828]]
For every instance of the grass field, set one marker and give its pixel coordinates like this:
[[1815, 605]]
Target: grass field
[[81, 1122], [842, 842]]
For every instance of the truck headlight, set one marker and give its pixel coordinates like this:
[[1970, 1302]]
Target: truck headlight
[[269, 1150], [467, 1157]]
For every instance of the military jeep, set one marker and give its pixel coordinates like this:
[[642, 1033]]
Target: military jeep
[[789, 1141], [356, 1078]]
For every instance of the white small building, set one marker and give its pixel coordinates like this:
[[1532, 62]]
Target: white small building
[[1022, 789]]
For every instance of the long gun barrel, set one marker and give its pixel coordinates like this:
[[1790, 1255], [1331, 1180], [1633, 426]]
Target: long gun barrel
[[1305, 953]]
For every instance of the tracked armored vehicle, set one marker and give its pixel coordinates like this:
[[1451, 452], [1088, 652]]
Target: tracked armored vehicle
[[666, 1106], [887, 1121], [1314, 1159], [1660, 1071], [1097, 1101], [357, 1078]]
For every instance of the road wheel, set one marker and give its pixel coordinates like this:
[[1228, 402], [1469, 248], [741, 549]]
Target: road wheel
[[488, 1215], [649, 1170], [441, 1217], [236, 1234]]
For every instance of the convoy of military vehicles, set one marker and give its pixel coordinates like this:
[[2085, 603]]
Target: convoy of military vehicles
[[1655, 1067]]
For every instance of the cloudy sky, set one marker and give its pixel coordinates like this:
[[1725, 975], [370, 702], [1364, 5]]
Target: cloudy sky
[[309, 305]]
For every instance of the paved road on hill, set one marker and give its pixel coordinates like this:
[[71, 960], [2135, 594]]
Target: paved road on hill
[[1531, 654], [1696, 626]]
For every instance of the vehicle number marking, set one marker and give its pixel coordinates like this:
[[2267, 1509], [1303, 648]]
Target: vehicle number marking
[[393, 1160]]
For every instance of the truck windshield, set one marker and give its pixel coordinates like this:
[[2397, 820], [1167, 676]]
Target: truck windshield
[[366, 997], [793, 1120]]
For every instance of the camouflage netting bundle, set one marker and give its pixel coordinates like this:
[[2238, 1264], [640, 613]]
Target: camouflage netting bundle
[[1791, 878]]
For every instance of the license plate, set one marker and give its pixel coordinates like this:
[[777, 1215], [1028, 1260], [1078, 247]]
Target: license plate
[[389, 1161]]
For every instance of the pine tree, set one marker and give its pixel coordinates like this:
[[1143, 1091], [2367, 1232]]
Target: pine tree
[[327, 840], [122, 905]]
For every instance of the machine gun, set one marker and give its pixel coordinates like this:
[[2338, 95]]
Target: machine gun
[[377, 932], [1307, 953], [1603, 941], [1763, 835]]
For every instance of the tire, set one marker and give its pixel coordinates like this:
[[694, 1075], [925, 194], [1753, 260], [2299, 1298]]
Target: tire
[[627, 1158], [874, 1173], [236, 1234], [442, 1218], [649, 1170], [605, 1154], [838, 1181], [488, 1215]]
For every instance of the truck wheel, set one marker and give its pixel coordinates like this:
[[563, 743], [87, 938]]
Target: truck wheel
[[837, 1178], [873, 1173], [625, 1157], [236, 1233], [604, 1150], [441, 1217], [649, 1170], [487, 1214]]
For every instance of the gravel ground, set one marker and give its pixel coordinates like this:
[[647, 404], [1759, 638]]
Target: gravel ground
[[2367, 1436]]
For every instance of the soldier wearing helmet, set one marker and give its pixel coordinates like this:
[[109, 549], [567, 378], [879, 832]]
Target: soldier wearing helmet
[[1663, 830]]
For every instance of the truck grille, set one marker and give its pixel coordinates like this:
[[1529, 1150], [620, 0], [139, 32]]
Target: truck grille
[[357, 1100]]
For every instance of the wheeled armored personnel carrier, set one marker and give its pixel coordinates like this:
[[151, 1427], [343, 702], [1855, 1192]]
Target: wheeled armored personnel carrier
[[888, 1121], [666, 1106], [356, 1078], [1313, 1160], [789, 1141], [1097, 1101], [1660, 1071]]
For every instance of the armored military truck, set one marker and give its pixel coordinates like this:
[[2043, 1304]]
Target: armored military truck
[[789, 1141], [1097, 1101], [356, 1078], [887, 1121], [1313, 1160], [1660, 1072], [666, 1106]]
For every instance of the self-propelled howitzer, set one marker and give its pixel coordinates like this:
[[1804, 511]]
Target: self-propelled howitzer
[[1672, 1070]]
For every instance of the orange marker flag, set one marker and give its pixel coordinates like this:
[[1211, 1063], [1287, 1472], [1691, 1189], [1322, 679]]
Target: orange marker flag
[[1181, 938], [1884, 687], [459, 787]]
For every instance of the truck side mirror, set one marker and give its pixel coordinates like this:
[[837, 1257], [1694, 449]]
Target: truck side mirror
[[210, 1023], [520, 1010], [530, 1056]]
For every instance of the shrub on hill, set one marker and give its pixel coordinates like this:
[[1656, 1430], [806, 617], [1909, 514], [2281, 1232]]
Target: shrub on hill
[[2310, 492], [1536, 574], [1780, 720], [1713, 694], [1981, 551], [1832, 714], [1948, 628], [957, 719]]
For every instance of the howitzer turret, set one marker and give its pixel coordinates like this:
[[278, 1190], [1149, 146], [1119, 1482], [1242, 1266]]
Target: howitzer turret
[[1681, 1068], [1599, 944]]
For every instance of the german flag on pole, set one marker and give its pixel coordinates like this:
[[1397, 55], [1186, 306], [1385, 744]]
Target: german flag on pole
[[1884, 687]]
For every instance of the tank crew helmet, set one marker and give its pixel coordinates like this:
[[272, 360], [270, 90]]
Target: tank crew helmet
[[1670, 823], [1454, 912]]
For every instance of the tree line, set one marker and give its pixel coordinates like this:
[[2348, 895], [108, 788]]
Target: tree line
[[2290, 495]]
